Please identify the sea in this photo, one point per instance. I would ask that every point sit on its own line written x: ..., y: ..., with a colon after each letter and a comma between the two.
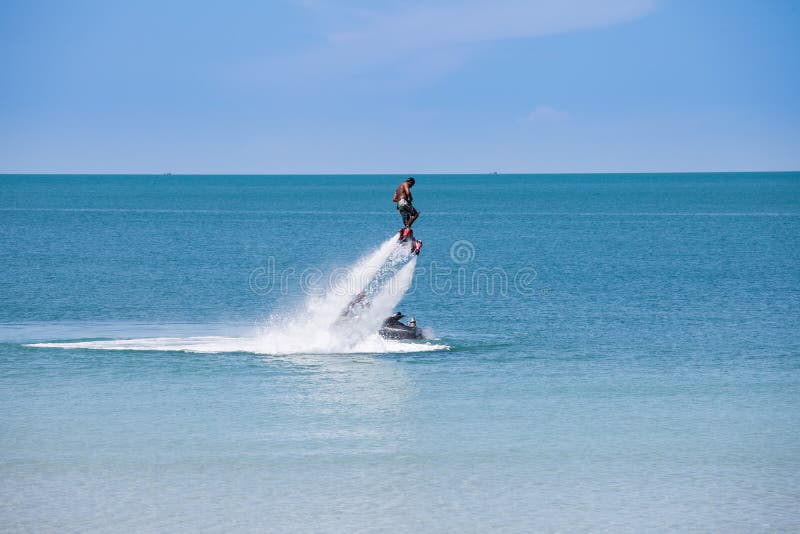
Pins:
x: 601, y: 353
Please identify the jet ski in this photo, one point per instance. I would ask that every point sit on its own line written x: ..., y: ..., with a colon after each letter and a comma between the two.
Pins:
x: 393, y: 329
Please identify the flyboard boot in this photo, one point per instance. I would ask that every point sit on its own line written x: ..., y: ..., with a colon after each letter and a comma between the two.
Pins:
x: 404, y: 234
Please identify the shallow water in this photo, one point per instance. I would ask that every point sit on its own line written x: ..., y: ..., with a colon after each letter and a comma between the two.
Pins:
x: 612, y: 353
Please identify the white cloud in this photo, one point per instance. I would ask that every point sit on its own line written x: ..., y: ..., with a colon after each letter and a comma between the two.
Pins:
x: 419, y: 26
x: 546, y: 114
x: 361, y: 39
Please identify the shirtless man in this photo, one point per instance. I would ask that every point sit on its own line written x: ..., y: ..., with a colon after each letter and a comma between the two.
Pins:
x: 402, y: 196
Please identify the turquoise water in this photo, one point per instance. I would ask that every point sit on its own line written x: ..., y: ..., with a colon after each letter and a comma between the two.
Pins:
x: 609, y: 352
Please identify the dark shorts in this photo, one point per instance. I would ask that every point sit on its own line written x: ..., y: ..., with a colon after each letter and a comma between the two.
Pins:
x: 406, y: 211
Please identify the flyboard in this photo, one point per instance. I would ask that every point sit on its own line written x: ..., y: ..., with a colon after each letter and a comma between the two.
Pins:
x: 406, y: 235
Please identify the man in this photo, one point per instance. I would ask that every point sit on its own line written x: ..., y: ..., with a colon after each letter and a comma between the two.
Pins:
x: 394, y: 320
x: 402, y: 196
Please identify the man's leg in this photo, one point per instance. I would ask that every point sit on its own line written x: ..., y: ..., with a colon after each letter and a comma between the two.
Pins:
x: 412, y: 218
x: 405, y: 216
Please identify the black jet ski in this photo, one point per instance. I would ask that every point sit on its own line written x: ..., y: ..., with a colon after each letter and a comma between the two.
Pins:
x: 393, y: 329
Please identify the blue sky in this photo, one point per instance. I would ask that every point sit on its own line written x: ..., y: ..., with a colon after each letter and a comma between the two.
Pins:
x: 318, y: 86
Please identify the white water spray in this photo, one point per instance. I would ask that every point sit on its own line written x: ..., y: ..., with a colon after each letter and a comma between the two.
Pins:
x: 382, y: 278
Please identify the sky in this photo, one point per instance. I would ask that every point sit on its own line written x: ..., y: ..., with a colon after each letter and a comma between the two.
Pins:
x: 357, y: 86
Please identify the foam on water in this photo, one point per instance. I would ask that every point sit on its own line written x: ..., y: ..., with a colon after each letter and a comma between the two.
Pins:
x: 219, y: 344
x: 383, y: 277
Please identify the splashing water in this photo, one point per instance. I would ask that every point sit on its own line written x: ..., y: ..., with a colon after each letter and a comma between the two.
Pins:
x: 382, y: 277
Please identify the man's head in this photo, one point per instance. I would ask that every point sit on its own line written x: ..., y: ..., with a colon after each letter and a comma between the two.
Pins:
x: 410, y: 181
